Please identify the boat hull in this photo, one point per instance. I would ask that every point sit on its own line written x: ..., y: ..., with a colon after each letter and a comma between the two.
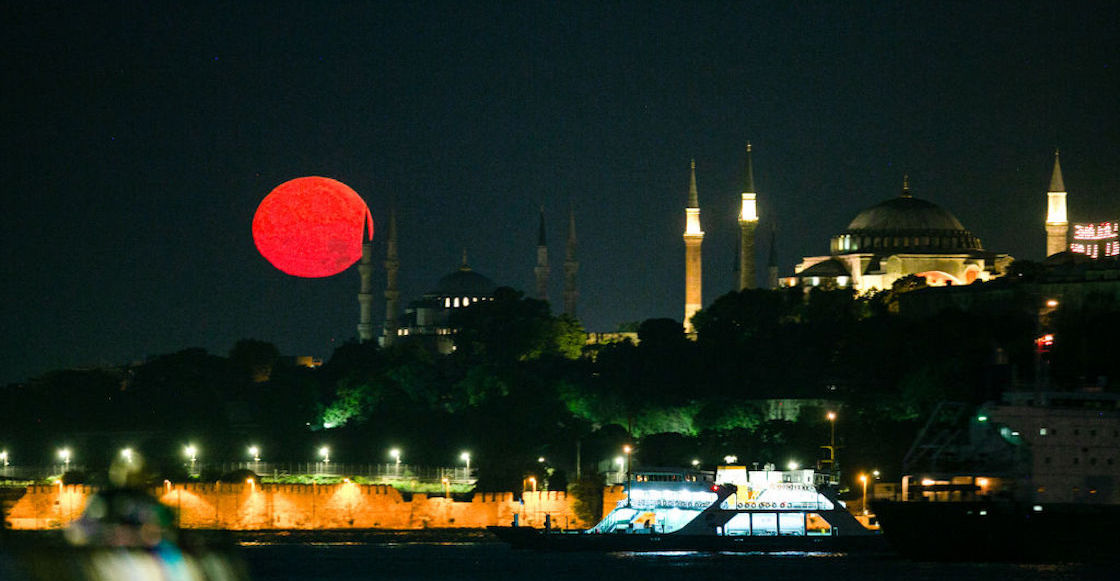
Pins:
x: 1000, y: 531
x: 537, y: 539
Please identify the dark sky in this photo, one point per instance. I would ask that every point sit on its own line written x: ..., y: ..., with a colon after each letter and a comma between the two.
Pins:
x: 139, y: 139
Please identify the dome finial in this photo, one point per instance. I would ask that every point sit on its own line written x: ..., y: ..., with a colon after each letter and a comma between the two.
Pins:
x: 905, y: 185
x: 464, y: 267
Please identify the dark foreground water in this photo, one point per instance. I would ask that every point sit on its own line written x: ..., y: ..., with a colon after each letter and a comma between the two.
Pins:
x: 490, y: 560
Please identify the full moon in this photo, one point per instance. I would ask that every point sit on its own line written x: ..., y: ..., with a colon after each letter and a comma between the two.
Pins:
x: 311, y: 227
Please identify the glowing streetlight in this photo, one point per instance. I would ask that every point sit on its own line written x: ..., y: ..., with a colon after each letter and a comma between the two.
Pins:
x: 446, y: 487
x: 64, y: 455
x: 466, y: 457
x: 793, y: 465
x: 831, y: 441
x: 325, y: 453
x: 191, y: 452
x: 627, y: 449
x: 540, y: 459
x: 4, y: 457
x: 863, y: 481
x: 730, y: 459
x: 255, y: 452
x: 533, y: 482
x: 695, y: 462
x: 396, y: 454
x: 127, y: 455
x: 875, y: 473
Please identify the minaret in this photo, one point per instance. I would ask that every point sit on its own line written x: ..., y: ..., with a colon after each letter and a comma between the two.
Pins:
x: 772, y: 263
x: 693, y: 236
x: 748, y: 221
x: 542, y: 261
x: 571, y: 266
x: 392, y: 294
x: 365, y: 292
x: 1057, y: 227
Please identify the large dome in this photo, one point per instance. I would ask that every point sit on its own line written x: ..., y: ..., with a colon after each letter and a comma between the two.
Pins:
x: 465, y: 283
x: 905, y: 225
x: 905, y: 213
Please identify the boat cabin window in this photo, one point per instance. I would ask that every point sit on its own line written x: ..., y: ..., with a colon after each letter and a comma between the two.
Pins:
x: 791, y: 523
x: 815, y: 525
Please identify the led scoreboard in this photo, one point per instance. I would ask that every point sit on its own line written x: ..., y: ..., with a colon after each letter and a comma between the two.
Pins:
x: 1096, y: 240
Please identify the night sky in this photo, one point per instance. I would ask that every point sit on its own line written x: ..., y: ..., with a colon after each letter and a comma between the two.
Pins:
x: 138, y: 141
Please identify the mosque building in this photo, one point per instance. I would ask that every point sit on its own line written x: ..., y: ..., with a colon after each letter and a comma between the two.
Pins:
x: 896, y: 238
x: 427, y: 319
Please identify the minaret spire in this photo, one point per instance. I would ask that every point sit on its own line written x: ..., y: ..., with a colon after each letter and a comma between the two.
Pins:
x: 1057, y: 225
x: 693, y: 236
x: 571, y: 267
x: 365, y: 291
x: 541, y: 271
x: 392, y: 293
x: 748, y: 222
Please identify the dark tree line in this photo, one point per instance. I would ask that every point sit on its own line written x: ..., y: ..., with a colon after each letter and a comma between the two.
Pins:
x: 522, y: 385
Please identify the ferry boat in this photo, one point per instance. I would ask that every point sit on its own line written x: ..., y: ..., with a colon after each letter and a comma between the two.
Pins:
x: 740, y: 510
x: 1034, y: 477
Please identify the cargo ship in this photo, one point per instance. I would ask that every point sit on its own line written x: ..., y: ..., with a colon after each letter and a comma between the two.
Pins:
x: 1033, y: 477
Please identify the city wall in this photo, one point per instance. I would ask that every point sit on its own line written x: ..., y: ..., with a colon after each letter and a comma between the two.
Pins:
x: 251, y: 506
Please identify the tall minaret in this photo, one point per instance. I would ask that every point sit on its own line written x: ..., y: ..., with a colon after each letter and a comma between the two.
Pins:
x: 748, y: 221
x: 1057, y: 227
x: 772, y: 263
x: 693, y: 236
x: 571, y: 266
x: 392, y: 294
x: 542, y: 261
x: 365, y: 292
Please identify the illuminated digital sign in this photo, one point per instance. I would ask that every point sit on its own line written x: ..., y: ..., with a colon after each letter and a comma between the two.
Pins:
x: 1097, y: 239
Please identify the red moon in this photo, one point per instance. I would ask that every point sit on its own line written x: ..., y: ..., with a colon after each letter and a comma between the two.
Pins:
x: 311, y: 227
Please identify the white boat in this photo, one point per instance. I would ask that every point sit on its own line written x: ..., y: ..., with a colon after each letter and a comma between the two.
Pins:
x: 740, y: 509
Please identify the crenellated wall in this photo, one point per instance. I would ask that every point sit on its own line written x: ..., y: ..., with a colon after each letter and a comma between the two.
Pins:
x: 301, y: 506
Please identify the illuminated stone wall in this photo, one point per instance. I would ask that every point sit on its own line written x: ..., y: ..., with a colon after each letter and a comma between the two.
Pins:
x: 297, y: 506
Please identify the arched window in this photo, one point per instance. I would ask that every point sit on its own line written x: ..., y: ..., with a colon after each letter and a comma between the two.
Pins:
x: 455, y: 302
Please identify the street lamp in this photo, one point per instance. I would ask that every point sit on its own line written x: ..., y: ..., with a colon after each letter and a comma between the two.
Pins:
x: 540, y: 459
x: 793, y: 465
x: 695, y: 462
x: 64, y: 454
x: 831, y: 442
x: 4, y: 457
x: 533, y: 482
x: 627, y: 449
x: 730, y: 459
x: 127, y: 455
x: 255, y: 452
x: 621, y: 462
x: 325, y: 452
x: 466, y: 457
x: 192, y: 453
x: 863, y: 480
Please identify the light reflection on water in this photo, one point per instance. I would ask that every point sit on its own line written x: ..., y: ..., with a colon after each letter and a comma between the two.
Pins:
x: 444, y: 561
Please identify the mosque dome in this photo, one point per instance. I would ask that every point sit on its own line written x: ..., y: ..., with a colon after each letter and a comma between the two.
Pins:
x: 905, y: 213
x: 905, y: 225
x: 465, y: 282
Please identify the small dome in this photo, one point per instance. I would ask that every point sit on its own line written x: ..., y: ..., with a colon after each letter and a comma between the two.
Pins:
x: 465, y: 283
x: 905, y: 213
